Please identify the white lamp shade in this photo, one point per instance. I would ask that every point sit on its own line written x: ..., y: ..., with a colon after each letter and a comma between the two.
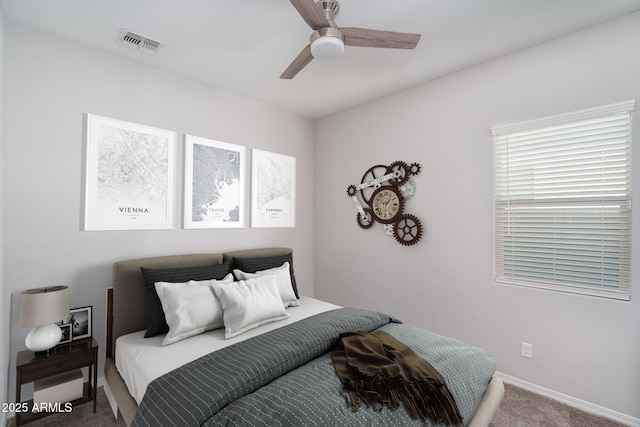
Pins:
x: 42, y: 307
x: 327, y: 47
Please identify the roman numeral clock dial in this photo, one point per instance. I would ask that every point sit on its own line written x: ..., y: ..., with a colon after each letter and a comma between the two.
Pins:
x: 387, y: 204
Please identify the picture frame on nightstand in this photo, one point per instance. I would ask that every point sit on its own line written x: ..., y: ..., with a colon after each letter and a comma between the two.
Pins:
x: 79, y: 324
x: 66, y: 333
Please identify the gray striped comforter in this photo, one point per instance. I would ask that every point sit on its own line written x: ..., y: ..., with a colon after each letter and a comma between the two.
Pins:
x: 245, y: 384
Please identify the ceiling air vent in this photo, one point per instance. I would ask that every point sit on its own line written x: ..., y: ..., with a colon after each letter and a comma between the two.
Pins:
x: 138, y: 42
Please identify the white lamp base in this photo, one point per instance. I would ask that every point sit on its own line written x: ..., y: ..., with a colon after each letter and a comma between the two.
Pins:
x: 43, y: 337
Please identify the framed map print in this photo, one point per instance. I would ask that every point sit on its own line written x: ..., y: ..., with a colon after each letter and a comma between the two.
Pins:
x: 129, y: 176
x: 273, y: 189
x: 214, y: 184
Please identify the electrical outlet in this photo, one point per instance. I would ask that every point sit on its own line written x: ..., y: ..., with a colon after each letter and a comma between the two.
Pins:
x: 526, y: 350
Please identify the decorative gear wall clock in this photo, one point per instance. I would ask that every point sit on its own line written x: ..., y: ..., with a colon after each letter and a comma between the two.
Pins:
x: 381, y: 197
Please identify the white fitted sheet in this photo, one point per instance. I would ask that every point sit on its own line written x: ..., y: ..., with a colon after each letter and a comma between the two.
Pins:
x: 141, y: 360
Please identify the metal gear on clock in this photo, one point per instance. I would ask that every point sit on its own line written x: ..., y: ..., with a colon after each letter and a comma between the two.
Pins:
x: 401, y: 171
x: 408, y: 230
x: 365, y: 221
x: 372, y: 175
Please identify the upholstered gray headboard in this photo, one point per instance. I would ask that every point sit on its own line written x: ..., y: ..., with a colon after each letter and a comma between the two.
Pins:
x: 126, y: 301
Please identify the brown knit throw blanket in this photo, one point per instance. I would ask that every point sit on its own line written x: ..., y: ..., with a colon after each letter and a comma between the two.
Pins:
x: 378, y: 370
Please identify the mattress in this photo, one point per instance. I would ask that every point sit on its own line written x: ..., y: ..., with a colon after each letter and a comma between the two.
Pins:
x: 141, y: 360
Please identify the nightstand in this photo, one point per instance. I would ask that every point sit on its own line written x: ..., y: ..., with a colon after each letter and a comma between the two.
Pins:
x: 62, y: 358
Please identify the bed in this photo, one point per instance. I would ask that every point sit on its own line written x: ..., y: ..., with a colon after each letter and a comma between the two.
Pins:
x: 257, y: 376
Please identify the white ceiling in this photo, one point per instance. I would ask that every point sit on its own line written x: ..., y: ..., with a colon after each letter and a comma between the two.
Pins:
x: 244, y: 45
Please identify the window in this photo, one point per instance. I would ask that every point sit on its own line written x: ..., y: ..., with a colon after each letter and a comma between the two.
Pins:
x: 562, y: 195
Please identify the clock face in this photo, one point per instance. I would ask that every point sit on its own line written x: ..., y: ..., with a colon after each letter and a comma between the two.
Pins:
x: 386, y: 204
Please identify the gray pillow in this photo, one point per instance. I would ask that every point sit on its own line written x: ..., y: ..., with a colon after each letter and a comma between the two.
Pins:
x: 251, y: 265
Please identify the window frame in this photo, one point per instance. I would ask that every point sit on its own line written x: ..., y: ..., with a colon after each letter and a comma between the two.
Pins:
x: 510, y: 200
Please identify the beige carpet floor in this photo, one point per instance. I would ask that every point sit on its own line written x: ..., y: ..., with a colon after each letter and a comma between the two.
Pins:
x: 519, y: 408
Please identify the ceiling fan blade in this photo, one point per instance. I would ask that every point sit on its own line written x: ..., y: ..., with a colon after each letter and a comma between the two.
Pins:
x: 311, y: 12
x: 298, y: 64
x: 363, y: 37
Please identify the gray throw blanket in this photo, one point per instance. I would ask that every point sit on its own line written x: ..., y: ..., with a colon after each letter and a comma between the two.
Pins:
x: 378, y: 370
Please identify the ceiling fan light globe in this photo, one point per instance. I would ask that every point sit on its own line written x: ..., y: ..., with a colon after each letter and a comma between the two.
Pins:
x: 327, y: 47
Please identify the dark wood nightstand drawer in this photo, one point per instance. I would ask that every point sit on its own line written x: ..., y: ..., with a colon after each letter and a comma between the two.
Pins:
x: 54, y: 365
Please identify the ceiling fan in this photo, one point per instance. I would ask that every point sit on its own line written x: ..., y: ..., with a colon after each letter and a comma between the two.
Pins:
x: 328, y: 40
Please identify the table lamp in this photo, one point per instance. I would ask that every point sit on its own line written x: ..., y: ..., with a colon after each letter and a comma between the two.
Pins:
x: 41, y: 308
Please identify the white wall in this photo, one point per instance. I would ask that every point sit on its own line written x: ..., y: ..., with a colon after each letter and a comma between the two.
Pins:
x: 4, y: 302
x: 585, y: 347
x: 49, y: 85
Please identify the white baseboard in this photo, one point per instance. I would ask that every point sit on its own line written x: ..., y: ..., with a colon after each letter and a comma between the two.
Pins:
x: 571, y: 401
x: 110, y: 398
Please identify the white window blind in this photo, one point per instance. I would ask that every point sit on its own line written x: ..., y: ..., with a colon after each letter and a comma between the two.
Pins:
x: 563, y: 201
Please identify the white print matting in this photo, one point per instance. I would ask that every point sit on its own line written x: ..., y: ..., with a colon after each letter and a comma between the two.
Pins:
x: 273, y: 189
x: 214, y: 184
x: 129, y: 176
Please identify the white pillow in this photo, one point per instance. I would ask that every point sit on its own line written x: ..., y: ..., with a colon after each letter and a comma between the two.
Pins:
x: 283, y: 280
x: 190, y: 308
x: 249, y: 303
